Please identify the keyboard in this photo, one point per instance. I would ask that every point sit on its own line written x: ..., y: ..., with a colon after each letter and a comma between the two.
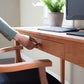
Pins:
x: 59, y: 29
x: 76, y: 33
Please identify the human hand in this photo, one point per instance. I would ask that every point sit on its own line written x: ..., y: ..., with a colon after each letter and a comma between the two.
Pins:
x: 26, y: 41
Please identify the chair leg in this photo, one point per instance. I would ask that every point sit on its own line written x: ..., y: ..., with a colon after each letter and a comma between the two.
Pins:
x: 42, y: 75
x: 17, y: 53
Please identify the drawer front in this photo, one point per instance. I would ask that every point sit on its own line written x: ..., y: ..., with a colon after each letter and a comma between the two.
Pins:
x: 51, y: 47
x: 75, y: 53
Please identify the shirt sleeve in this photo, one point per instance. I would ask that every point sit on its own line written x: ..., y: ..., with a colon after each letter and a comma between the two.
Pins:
x: 7, y: 30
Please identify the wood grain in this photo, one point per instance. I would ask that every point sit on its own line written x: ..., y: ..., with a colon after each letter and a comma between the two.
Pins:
x: 51, y: 47
x: 6, y: 49
x: 19, y: 65
x: 17, y: 53
x: 42, y: 75
x: 67, y: 47
x: 62, y: 70
x: 24, y: 65
x: 74, y: 53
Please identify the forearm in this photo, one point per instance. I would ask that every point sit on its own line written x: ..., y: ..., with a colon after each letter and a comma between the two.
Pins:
x: 10, y: 34
x: 6, y: 30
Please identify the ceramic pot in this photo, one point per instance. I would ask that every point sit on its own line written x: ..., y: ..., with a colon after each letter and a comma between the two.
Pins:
x: 55, y: 19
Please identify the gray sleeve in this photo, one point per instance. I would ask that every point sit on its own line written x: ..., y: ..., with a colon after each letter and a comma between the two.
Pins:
x: 6, y: 30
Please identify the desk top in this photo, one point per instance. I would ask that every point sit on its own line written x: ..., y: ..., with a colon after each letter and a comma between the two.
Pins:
x: 49, y: 35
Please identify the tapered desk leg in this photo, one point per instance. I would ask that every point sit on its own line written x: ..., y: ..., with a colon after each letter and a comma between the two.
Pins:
x: 62, y: 70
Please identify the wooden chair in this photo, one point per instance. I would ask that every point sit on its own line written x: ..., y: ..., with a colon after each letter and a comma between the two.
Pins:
x: 25, y: 72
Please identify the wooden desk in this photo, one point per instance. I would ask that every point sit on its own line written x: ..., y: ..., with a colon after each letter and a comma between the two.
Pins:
x: 66, y: 47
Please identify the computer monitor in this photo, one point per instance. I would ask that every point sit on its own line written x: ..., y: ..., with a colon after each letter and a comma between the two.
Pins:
x: 75, y: 9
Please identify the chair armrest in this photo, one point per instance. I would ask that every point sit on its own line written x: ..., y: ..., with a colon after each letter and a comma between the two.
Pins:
x: 6, y: 49
x: 24, y: 65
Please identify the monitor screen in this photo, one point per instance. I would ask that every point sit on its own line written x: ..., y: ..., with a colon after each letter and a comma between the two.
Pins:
x: 75, y: 9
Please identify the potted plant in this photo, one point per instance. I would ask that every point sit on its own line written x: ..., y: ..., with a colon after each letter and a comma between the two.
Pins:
x: 55, y: 7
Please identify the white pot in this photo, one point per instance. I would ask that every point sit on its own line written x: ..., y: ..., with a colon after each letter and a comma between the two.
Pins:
x: 55, y: 19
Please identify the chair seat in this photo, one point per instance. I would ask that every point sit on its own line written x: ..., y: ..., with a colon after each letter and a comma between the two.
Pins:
x: 29, y: 76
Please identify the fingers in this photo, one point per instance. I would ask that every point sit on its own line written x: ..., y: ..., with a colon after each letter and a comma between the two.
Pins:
x: 38, y: 45
x: 33, y: 43
x: 32, y: 39
x: 28, y: 42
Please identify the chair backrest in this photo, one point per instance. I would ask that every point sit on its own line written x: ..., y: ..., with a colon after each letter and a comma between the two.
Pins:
x: 17, y: 52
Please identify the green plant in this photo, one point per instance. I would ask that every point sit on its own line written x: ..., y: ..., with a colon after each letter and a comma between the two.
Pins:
x: 54, y: 5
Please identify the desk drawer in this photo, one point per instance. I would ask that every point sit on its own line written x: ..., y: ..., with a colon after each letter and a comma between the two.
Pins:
x: 51, y: 47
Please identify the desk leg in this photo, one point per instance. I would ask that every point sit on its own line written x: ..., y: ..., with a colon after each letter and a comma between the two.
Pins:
x: 62, y: 70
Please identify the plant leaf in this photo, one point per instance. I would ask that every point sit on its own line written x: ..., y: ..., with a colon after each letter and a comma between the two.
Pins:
x: 54, y: 5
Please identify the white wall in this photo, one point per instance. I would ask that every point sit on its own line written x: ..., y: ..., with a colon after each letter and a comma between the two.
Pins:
x: 9, y: 11
x: 30, y: 15
x: 79, y: 23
